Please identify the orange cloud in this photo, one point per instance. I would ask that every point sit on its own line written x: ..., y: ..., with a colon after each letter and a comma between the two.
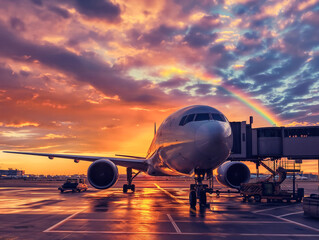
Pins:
x: 20, y: 125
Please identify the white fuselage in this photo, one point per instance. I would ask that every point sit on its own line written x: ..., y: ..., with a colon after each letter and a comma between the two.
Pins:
x: 195, y: 137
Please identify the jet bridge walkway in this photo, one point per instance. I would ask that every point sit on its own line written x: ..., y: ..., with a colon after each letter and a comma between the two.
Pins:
x: 274, y: 142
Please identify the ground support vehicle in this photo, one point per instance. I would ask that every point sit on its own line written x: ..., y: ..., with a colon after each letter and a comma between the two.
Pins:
x: 74, y: 184
x: 270, y: 191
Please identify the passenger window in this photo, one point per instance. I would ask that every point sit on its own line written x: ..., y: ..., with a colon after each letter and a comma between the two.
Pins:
x: 189, y: 118
x: 218, y: 117
x: 202, y: 117
x: 181, y: 123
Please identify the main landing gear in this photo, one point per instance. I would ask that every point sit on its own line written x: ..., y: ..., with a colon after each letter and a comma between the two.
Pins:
x: 198, y: 190
x: 130, y: 177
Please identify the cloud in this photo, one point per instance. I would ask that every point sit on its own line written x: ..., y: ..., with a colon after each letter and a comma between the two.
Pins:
x: 55, y: 136
x: 202, y: 33
x: 173, y: 83
x: 155, y: 36
x: 85, y: 68
x: 250, y: 8
x: 37, y: 2
x: 99, y: 9
x: 198, y: 38
x: 17, y: 24
x: 20, y: 125
x: 203, y: 89
x: 65, y: 59
x: 60, y: 11
x: 188, y: 6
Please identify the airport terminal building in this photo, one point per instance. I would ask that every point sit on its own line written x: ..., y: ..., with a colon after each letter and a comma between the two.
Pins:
x: 12, y: 172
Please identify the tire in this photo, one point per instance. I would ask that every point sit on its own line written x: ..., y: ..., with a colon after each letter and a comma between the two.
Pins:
x: 202, y: 198
x: 257, y: 198
x: 125, y: 188
x: 192, y: 199
x: 133, y: 188
x: 61, y: 190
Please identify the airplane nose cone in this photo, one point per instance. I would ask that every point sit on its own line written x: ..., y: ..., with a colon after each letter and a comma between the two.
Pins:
x: 212, y: 139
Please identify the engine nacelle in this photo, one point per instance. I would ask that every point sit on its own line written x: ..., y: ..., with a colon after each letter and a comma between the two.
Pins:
x: 232, y: 174
x: 103, y: 174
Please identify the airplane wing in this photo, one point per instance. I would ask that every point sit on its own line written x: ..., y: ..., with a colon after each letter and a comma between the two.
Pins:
x: 138, y: 164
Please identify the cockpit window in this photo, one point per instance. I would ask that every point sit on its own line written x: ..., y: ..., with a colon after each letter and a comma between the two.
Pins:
x: 189, y: 118
x: 202, y: 116
x: 218, y: 117
x: 181, y: 123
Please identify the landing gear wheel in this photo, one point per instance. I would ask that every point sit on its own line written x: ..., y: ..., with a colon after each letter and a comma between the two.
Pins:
x: 125, y: 188
x: 133, y: 188
x: 202, y: 198
x: 192, y: 199
x: 61, y: 190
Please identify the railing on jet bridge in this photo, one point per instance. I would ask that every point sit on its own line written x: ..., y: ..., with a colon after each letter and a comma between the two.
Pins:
x: 289, y: 164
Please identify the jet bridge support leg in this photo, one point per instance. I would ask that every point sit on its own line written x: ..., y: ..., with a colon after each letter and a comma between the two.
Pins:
x: 130, y: 177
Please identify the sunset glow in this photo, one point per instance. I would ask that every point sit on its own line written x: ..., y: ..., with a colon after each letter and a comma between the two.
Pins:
x: 92, y: 77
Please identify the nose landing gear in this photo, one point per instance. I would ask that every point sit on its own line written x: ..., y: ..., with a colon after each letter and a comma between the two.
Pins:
x: 199, y: 190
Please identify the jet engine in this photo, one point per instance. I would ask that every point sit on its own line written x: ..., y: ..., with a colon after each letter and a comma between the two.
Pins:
x: 232, y: 174
x: 103, y: 174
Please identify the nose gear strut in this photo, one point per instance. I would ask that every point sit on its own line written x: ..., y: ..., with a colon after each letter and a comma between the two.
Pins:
x: 198, y: 190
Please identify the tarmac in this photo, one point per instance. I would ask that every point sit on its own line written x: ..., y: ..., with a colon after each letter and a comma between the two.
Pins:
x: 157, y: 210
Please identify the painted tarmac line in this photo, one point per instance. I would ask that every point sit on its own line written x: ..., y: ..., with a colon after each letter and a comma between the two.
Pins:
x: 27, y: 188
x: 296, y: 223
x: 195, y: 233
x: 113, y: 220
x: 63, y: 221
x: 169, y: 194
x: 269, y: 209
x: 288, y: 214
x: 20, y: 190
x: 179, y: 221
x: 174, y: 223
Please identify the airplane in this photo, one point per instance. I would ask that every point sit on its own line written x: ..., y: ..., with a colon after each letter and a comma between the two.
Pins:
x: 192, y: 141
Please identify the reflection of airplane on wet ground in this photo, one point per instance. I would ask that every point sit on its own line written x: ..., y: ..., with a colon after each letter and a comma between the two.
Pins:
x: 194, y: 140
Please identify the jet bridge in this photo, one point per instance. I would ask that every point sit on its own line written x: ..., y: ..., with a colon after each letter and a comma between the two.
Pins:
x: 274, y: 142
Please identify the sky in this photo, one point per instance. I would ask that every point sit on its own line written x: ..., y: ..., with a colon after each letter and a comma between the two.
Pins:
x: 92, y: 77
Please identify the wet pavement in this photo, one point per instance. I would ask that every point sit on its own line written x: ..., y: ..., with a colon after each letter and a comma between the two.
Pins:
x: 157, y: 210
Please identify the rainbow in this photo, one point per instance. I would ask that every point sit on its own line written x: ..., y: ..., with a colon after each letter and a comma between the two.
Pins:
x: 261, y: 110
x: 236, y: 93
